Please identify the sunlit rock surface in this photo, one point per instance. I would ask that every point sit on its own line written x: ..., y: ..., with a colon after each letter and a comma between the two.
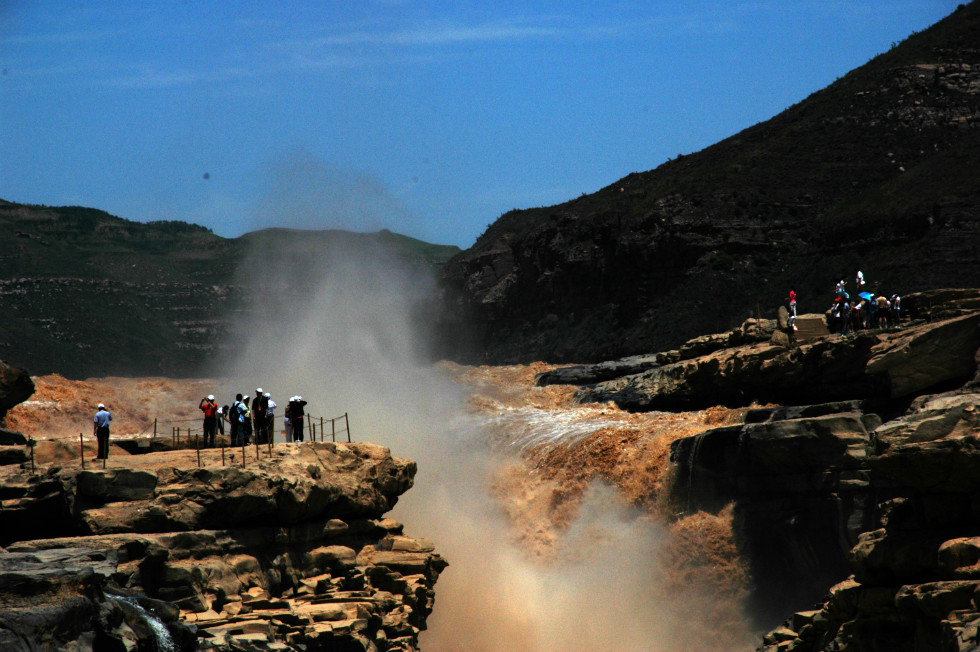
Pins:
x: 869, y: 364
x: 291, y: 549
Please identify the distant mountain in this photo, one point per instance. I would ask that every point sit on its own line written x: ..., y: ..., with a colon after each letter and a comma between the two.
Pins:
x: 85, y: 293
x: 879, y: 171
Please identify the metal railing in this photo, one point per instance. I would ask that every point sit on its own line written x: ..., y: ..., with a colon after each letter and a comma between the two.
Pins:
x: 191, y: 438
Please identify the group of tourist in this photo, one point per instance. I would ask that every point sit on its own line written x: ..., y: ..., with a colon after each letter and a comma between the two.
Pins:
x: 251, y: 419
x: 864, y: 310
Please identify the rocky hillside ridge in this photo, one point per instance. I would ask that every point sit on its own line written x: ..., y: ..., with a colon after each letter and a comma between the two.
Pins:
x: 875, y: 171
x: 864, y: 484
x: 166, y: 295
x: 289, y: 551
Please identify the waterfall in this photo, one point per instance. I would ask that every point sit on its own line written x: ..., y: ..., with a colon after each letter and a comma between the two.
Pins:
x: 161, y: 635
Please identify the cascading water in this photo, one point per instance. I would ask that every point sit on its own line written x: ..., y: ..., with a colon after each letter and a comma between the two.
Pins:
x: 161, y: 635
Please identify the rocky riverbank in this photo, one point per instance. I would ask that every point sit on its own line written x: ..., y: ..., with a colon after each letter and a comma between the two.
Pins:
x: 858, y: 505
x: 289, y: 550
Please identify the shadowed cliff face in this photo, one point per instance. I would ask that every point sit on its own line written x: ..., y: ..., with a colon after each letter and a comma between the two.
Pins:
x: 876, y: 171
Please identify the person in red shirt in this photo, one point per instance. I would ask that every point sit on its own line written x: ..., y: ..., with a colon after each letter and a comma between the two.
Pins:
x: 792, y: 308
x: 210, y: 409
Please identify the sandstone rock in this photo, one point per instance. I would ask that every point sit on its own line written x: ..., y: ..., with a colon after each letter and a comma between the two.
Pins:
x: 887, y: 365
x: 920, y: 358
x: 304, y: 559
x: 960, y: 558
x: 930, y: 419
x: 586, y: 374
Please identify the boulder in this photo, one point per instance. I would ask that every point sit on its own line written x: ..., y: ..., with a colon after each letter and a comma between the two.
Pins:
x: 915, y: 360
x: 594, y: 373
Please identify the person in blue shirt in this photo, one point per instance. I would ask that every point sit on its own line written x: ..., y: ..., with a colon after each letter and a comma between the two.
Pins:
x: 101, y: 431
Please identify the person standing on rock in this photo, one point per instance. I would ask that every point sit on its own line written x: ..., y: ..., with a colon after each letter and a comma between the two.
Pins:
x: 247, y: 423
x: 210, y: 410
x: 236, y: 417
x: 222, y: 416
x: 260, y: 412
x: 100, y: 429
x: 296, y: 416
x: 792, y: 309
x: 270, y: 419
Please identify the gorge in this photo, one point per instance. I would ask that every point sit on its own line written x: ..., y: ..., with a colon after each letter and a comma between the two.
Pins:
x: 711, y: 524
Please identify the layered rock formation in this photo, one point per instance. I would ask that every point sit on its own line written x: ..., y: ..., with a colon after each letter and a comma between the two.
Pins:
x: 914, y: 582
x: 866, y: 485
x: 875, y: 364
x: 290, y: 550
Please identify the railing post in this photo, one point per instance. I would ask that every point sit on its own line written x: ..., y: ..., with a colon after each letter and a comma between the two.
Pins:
x: 333, y: 429
x: 241, y: 435
x: 81, y: 445
x: 347, y: 420
x: 222, y: 454
x: 197, y: 440
x: 321, y: 428
x: 30, y: 442
x: 154, y: 428
x: 309, y: 429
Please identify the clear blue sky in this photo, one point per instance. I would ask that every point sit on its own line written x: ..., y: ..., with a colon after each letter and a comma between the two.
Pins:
x: 427, y: 118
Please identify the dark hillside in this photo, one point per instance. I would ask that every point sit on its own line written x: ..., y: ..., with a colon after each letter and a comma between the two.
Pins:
x: 85, y: 293
x: 878, y: 170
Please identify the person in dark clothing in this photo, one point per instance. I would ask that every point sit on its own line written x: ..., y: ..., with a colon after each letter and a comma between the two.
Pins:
x: 100, y: 428
x: 297, y: 417
x: 236, y: 416
x: 210, y: 410
x: 260, y: 413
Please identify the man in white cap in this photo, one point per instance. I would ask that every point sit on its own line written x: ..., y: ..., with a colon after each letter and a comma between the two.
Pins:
x: 210, y: 410
x: 296, y: 415
x: 100, y: 429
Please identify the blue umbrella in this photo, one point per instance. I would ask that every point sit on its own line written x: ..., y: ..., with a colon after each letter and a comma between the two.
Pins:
x: 866, y: 295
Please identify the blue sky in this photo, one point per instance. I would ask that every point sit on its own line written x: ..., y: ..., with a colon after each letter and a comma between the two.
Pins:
x: 427, y: 118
